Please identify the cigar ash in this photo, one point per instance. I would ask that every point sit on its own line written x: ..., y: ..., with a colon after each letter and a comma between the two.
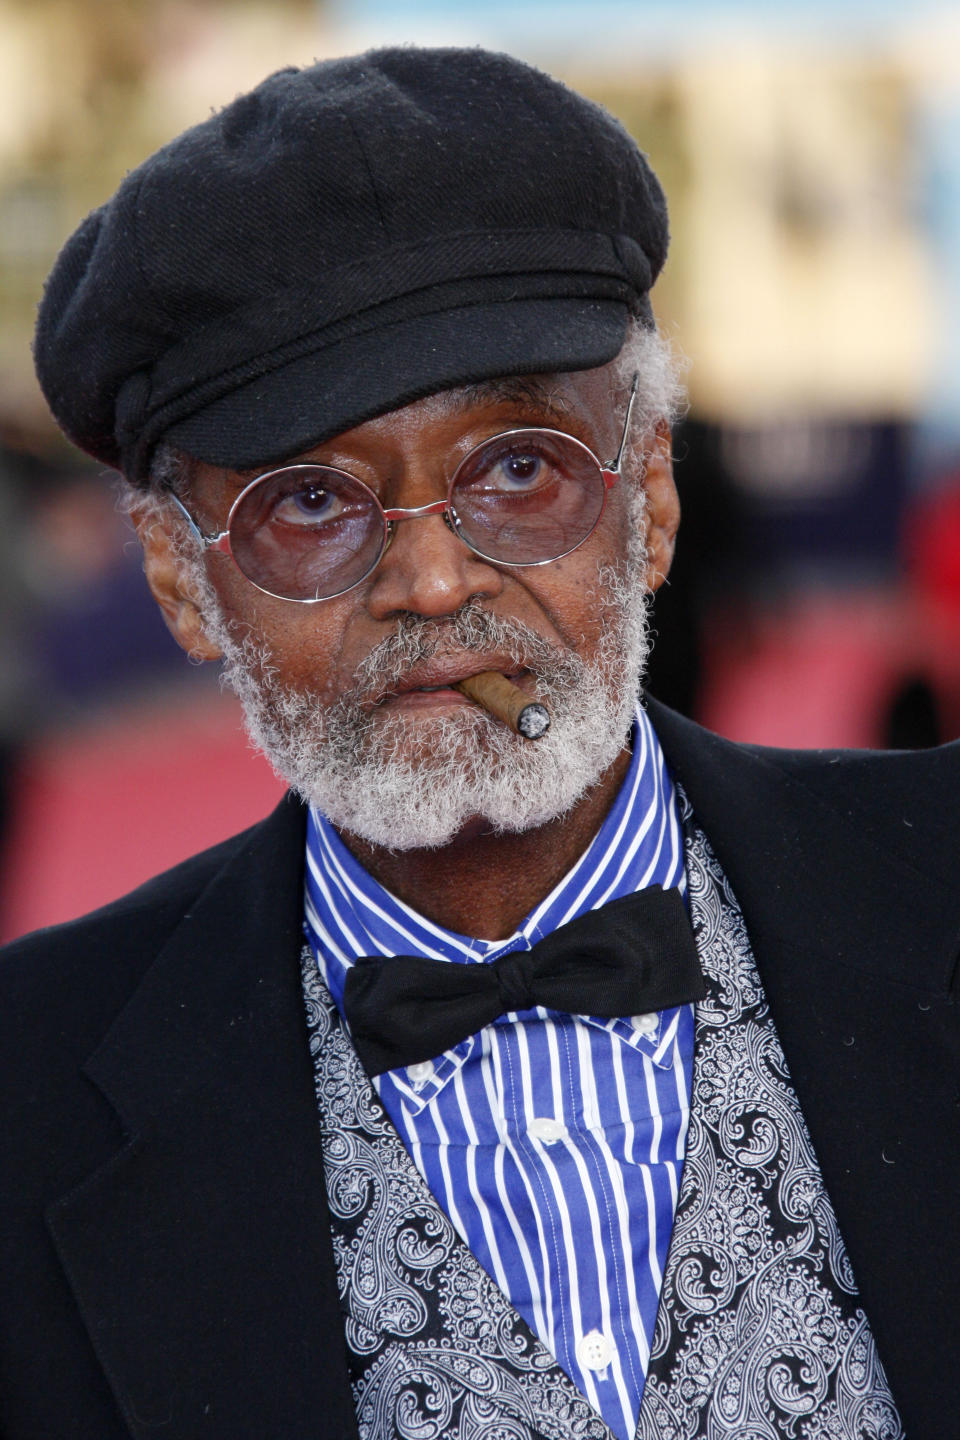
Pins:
x: 533, y: 720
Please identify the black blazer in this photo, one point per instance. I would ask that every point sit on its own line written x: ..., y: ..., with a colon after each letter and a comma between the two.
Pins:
x: 165, y: 1262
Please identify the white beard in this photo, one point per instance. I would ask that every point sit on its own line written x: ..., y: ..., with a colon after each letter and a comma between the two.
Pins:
x: 406, y: 782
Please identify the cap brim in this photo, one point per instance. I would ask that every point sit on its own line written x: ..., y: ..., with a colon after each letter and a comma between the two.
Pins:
x: 330, y: 390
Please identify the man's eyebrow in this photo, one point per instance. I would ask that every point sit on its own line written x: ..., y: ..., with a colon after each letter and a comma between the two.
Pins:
x: 521, y: 391
x: 518, y: 390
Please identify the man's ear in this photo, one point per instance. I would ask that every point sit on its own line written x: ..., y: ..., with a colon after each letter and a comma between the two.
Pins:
x: 166, y: 577
x: 663, y: 506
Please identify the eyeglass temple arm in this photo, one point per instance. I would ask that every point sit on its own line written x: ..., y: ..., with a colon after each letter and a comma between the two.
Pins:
x: 614, y: 468
x: 208, y: 542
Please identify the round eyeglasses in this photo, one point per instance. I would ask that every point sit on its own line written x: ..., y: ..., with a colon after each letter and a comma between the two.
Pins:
x: 311, y: 532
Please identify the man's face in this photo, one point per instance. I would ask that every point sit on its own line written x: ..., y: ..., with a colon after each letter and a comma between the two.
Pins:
x: 351, y: 697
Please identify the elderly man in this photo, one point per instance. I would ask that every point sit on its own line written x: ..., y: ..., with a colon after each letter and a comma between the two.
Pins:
x: 544, y: 1066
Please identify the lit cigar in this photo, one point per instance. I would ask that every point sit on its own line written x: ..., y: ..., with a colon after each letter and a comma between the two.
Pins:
x: 500, y: 697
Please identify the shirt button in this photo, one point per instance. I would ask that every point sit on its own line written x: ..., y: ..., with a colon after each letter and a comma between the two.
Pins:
x: 419, y: 1074
x: 547, y: 1129
x: 646, y: 1024
x: 595, y: 1351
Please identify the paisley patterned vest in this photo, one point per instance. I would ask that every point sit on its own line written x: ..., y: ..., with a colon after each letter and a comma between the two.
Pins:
x: 759, y: 1333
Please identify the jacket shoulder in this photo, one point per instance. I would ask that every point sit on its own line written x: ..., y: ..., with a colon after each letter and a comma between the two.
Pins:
x: 79, y: 972
x: 907, y: 771
x: 904, y: 801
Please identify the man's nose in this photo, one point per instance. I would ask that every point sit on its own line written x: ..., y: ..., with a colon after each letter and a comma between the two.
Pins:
x: 428, y: 571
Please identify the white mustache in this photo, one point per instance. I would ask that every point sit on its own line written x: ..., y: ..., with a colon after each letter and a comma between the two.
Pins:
x: 471, y: 630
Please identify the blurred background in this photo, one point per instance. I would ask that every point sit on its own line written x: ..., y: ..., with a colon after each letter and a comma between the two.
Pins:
x: 811, y: 156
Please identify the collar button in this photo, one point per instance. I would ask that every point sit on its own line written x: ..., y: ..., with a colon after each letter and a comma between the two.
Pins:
x: 646, y: 1024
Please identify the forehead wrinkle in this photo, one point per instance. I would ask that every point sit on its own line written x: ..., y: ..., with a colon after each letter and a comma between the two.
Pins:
x: 522, y: 391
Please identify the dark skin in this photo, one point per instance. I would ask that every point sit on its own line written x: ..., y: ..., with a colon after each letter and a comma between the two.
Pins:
x: 482, y: 883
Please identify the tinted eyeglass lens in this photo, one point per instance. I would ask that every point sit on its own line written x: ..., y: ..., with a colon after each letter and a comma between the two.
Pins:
x: 307, y: 533
x: 528, y: 497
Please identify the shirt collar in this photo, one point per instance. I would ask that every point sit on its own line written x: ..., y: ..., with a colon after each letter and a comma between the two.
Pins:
x: 349, y: 914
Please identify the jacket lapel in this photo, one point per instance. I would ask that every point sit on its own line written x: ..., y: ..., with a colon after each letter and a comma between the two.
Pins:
x: 851, y: 908
x: 200, y: 1254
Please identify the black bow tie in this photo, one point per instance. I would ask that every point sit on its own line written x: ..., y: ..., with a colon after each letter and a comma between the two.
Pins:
x: 630, y: 957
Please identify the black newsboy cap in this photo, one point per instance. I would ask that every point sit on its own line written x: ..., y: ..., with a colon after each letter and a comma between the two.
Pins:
x: 340, y: 241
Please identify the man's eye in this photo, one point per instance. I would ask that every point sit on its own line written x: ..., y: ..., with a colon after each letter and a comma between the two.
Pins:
x: 308, y: 506
x: 518, y: 472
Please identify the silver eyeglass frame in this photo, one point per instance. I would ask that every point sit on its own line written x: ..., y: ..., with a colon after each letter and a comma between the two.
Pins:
x: 220, y: 543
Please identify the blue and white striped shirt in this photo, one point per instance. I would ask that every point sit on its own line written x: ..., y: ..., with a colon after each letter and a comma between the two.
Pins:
x: 553, y: 1142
